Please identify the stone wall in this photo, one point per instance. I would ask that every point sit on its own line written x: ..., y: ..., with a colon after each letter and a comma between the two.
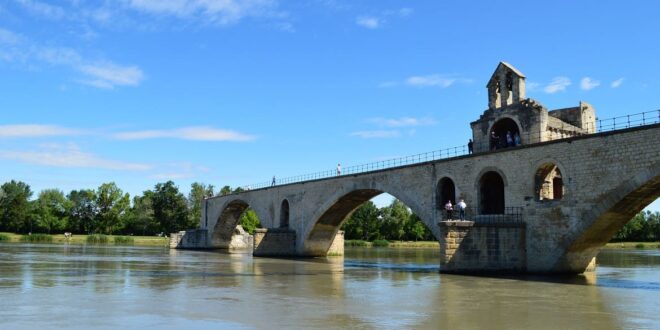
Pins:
x: 189, y: 239
x: 337, y: 246
x: 274, y: 242
x: 466, y: 246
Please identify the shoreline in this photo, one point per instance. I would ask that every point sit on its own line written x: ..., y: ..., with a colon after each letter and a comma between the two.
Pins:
x: 82, y: 240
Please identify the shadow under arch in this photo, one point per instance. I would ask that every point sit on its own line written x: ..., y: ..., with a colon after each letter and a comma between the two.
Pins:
x: 227, y: 222
x: 618, y: 207
x: 319, y: 239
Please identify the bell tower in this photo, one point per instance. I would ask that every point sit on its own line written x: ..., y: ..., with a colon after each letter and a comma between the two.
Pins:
x: 505, y: 87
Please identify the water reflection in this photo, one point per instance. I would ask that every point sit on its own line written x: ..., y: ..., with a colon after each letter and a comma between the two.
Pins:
x: 109, y: 286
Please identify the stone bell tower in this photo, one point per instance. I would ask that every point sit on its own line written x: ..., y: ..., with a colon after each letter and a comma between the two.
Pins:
x: 505, y: 87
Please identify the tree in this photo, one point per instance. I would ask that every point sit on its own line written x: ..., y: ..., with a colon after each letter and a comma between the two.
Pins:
x: 51, y: 209
x: 140, y: 218
x: 170, y: 209
x: 226, y: 190
x: 363, y: 223
x: 249, y: 221
x: 82, y: 211
x: 198, y: 191
x: 112, y: 206
x: 15, y: 208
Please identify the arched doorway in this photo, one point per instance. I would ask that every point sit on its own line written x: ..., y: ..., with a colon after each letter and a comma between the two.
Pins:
x: 445, y: 191
x: 548, y: 182
x: 499, y: 131
x: 284, y: 214
x: 491, y: 193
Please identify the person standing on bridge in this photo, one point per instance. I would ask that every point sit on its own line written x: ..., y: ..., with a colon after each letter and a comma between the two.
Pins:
x: 449, y: 208
x: 273, y: 183
x: 470, y: 146
x: 339, y: 169
x: 461, y: 209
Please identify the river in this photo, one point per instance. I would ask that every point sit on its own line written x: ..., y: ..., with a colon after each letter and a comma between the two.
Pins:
x: 81, y: 287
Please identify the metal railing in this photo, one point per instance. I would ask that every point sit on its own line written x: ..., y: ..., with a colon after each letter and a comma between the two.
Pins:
x: 508, y: 215
x: 555, y: 133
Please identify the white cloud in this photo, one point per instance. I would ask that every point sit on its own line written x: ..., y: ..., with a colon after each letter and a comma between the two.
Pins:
x: 557, y: 84
x: 368, y: 22
x: 532, y: 86
x: 108, y: 75
x: 69, y: 156
x: 402, y: 122
x: 380, y: 134
x: 588, y: 84
x: 433, y: 80
x: 42, y: 9
x: 187, y: 133
x: 213, y: 11
x: 617, y: 83
x: 35, y: 130
x: 8, y: 38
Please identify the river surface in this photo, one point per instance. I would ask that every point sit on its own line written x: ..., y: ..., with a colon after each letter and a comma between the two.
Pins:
x: 82, y: 287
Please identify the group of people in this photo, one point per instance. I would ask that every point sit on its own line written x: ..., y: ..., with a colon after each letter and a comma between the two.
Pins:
x: 510, y: 140
x: 460, y: 206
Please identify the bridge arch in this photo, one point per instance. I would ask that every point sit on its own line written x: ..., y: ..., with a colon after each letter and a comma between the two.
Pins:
x: 227, y: 221
x: 332, y: 215
x: 284, y: 214
x: 445, y: 190
x: 491, y: 191
x: 617, y: 207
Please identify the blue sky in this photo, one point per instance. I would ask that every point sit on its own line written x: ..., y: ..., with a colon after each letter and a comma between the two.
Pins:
x: 232, y: 92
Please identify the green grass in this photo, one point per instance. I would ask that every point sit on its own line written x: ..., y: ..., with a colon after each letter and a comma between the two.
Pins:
x: 37, y: 238
x: 356, y: 242
x: 381, y: 243
x: 97, y: 239
x: 4, y: 237
x: 83, y: 239
x: 639, y: 246
x: 124, y: 240
x: 633, y: 245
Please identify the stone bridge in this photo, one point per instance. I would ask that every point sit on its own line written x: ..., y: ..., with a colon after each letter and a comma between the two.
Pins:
x: 545, y: 204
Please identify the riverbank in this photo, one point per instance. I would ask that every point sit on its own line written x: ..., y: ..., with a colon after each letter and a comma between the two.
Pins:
x: 434, y: 244
x: 84, y: 239
x: 633, y: 245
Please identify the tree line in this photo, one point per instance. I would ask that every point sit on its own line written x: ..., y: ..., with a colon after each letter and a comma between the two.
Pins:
x: 395, y: 222
x: 644, y: 227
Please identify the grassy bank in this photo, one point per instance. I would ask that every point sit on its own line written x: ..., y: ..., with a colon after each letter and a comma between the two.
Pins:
x: 633, y: 245
x: 392, y: 244
x: 86, y: 239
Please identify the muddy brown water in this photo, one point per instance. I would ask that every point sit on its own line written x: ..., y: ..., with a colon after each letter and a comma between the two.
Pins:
x: 81, y: 287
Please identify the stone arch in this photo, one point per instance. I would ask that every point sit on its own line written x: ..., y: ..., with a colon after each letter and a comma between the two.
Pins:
x: 445, y: 190
x: 549, y: 182
x: 330, y: 218
x: 617, y: 207
x: 227, y: 222
x: 491, y: 192
x: 501, y: 127
x: 284, y: 214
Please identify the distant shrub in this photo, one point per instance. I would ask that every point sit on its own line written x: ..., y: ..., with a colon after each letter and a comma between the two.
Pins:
x: 37, y: 238
x: 97, y: 239
x: 381, y: 243
x: 4, y: 237
x: 124, y: 240
x: 356, y: 242
x: 639, y: 246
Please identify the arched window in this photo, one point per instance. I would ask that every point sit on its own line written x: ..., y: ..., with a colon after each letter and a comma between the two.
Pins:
x: 499, y: 132
x: 284, y: 214
x: 445, y: 191
x: 491, y: 193
x: 548, y: 182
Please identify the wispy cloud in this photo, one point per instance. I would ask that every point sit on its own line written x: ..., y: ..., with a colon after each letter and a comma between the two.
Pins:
x: 368, y: 22
x: 587, y: 83
x: 376, y: 21
x: 36, y: 130
x: 212, y: 11
x: 101, y: 74
x: 430, y: 81
x: 533, y: 86
x: 379, y: 134
x: 617, y: 83
x: 188, y: 133
x: 402, y: 122
x: 558, y: 84
x: 69, y: 156
x: 42, y: 9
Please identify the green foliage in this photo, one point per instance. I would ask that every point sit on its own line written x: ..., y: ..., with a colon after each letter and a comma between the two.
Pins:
x: 140, y: 218
x: 112, y: 205
x: 37, y: 238
x: 249, y: 221
x: 4, y: 237
x: 15, y: 208
x: 643, y: 227
x: 198, y: 191
x: 639, y: 246
x: 170, y: 208
x: 124, y: 240
x: 363, y: 224
x: 97, y: 239
x: 381, y: 243
x: 226, y: 190
x: 356, y: 242
x: 51, y: 210
x: 83, y: 211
